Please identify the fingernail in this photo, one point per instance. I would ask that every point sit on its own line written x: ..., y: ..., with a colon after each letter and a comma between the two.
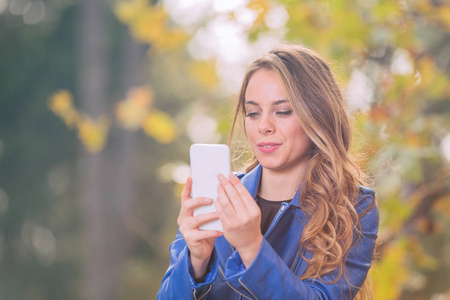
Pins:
x: 206, y: 200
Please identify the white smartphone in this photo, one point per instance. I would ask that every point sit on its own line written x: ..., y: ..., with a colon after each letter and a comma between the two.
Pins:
x: 207, y: 161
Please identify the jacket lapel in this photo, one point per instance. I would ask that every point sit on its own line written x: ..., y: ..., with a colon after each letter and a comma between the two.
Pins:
x: 251, y: 180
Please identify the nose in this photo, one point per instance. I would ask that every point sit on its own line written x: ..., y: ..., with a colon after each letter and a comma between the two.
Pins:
x: 266, y: 125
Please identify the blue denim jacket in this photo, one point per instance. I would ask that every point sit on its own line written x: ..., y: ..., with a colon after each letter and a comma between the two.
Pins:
x: 275, y: 272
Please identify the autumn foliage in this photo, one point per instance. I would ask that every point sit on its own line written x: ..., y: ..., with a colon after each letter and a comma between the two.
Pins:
x: 401, y: 52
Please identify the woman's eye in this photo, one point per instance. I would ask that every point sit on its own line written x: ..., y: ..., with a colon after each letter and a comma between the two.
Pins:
x: 284, y: 113
x: 252, y: 115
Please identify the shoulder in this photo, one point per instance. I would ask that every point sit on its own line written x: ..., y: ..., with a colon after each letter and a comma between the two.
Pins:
x: 366, y: 207
x: 364, y: 191
x: 366, y: 198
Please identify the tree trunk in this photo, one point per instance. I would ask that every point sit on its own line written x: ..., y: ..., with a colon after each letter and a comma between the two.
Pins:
x: 106, y: 178
x: 93, y: 80
x: 122, y: 154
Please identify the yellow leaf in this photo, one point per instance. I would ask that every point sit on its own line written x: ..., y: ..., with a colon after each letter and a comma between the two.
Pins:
x: 424, y: 6
x: 150, y: 25
x: 132, y: 111
x: 204, y: 73
x: 160, y: 126
x: 171, y: 40
x: 427, y: 71
x: 61, y: 101
x: 93, y: 133
x: 443, y: 15
x: 432, y: 79
x: 261, y: 7
x: 127, y: 11
x: 387, y: 10
x: 61, y: 104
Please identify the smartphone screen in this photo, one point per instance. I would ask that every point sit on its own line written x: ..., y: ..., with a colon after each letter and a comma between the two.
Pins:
x: 207, y: 161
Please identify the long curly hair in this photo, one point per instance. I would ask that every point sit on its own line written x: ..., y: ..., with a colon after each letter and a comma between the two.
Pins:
x: 330, y: 189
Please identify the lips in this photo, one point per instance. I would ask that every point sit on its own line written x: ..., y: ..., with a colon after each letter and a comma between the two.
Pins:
x: 268, y: 147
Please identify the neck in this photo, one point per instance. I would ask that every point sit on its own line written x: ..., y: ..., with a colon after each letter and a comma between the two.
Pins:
x: 280, y: 185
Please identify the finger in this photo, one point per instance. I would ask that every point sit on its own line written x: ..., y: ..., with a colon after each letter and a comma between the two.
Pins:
x: 188, y: 206
x: 192, y: 223
x: 225, y: 209
x: 233, y: 195
x: 247, y: 199
x: 186, y: 193
x: 220, y: 213
x: 194, y: 203
x: 204, y: 234
x: 204, y: 218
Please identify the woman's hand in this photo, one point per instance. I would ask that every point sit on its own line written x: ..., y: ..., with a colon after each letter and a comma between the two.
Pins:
x: 240, y: 216
x: 199, y: 242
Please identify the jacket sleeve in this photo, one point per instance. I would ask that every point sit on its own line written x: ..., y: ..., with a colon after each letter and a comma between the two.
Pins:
x: 268, y: 277
x: 178, y: 282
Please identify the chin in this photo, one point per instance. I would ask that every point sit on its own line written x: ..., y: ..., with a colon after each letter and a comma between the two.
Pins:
x: 270, y: 165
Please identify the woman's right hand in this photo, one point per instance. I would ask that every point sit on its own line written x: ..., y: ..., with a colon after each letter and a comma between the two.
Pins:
x: 199, y: 242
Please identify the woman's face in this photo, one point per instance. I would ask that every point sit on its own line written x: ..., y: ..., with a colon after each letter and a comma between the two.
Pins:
x: 274, y: 133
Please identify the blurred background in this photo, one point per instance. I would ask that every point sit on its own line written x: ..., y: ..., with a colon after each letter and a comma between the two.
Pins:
x: 100, y: 101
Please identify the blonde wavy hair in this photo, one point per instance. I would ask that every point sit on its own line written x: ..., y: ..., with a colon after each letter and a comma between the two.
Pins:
x: 330, y: 189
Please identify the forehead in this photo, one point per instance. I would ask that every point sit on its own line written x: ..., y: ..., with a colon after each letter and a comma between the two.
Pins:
x: 264, y: 86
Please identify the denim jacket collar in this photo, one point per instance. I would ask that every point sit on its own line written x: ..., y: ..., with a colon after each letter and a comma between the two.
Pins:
x: 252, y: 179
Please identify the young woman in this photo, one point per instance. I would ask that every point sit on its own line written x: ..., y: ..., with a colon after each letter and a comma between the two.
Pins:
x: 299, y: 224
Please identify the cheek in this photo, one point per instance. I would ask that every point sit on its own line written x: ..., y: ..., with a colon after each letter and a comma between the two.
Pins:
x: 300, y: 137
x: 249, y: 129
x: 305, y: 142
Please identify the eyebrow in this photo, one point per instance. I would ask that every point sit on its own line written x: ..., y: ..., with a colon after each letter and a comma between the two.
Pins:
x: 250, y: 102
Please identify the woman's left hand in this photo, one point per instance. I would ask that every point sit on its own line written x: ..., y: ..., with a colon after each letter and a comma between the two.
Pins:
x: 240, y: 217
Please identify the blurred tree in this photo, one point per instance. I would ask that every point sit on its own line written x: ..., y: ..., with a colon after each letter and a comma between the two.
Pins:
x: 109, y: 170
x: 108, y: 176
x: 40, y: 240
x: 39, y: 221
